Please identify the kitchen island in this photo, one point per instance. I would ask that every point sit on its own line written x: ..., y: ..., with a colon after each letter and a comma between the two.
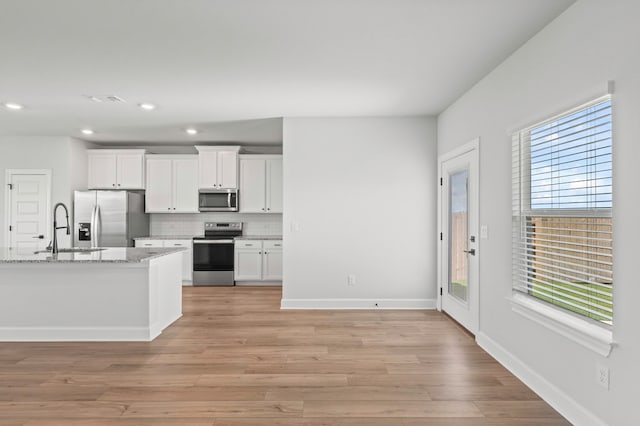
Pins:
x: 111, y: 294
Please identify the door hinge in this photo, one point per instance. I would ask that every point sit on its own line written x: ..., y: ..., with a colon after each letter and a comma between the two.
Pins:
x: 10, y: 185
x: 440, y: 181
x: 441, y: 236
x: 440, y: 291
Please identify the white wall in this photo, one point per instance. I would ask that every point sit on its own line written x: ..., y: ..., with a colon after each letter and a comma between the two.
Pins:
x: 65, y: 158
x: 566, y: 64
x: 362, y: 192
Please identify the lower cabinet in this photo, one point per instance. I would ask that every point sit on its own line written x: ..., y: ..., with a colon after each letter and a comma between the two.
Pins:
x: 187, y: 256
x: 258, y: 260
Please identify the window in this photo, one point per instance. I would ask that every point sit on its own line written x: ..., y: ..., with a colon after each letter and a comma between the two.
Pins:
x: 562, y: 204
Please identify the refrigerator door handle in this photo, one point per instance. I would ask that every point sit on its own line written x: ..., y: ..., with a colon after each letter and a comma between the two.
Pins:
x: 92, y: 228
x: 98, y: 226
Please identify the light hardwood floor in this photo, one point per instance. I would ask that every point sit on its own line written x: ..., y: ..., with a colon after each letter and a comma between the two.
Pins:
x: 236, y: 359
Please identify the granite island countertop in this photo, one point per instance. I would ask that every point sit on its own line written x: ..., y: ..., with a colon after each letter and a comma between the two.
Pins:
x: 107, y: 255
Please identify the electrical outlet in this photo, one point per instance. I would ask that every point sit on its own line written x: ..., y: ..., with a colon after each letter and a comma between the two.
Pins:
x: 602, y: 376
x: 351, y: 279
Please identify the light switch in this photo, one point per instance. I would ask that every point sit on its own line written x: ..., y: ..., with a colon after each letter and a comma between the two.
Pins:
x: 484, y: 232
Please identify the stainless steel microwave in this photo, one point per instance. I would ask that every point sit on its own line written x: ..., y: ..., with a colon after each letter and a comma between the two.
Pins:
x: 218, y: 200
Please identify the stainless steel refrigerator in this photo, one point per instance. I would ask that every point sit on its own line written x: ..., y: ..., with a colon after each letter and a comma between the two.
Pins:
x: 108, y: 218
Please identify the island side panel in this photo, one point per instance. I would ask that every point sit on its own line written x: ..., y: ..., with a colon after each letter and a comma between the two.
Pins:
x: 74, y: 302
x: 165, y: 292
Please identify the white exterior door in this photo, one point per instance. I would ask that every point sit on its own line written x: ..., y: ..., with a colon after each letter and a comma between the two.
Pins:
x: 252, y: 185
x: 459, y: 227
x: 159, y: 194
x: 28, y: 210
x: 185, y: 190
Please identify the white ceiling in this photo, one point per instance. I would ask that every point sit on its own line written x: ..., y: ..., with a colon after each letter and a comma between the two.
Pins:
x: 233, y: 67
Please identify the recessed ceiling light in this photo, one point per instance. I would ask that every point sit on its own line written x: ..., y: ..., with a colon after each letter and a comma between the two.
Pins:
x: 147, y: 106
x: 87, y: 131
x: 13, y: 105
x: 191, y: 131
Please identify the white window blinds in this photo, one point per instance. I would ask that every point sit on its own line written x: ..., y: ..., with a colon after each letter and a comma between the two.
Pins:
x: 562, y: 201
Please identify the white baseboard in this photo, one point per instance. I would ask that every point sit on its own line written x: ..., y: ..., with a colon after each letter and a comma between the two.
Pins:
x: 79, y: 334
x: 358, y: 304
x: 560, y: 401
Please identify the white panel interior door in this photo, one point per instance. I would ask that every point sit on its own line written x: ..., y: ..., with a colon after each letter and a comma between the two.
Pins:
x: 185, y: 192
x: 29, y: 211
x: 252, y: 185
x: 459, y: 250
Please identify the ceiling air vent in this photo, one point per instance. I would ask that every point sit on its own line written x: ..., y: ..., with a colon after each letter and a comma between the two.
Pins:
x: 114, y: 98
x: 105, y: 98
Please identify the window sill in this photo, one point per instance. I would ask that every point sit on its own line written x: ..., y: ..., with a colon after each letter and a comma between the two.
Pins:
x: 591, y: 336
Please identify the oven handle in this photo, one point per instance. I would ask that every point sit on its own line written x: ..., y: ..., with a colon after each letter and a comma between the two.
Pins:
x: 212, y: 241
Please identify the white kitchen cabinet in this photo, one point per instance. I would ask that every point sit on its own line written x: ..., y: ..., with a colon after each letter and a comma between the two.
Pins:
x: 185, y: 185
x: 172, y: 184
x: 260, y: 184
x: 187, y: 256
x: 116, y: 168
x: 218, y: 167
x: 258, y: 260
x: 272, y: 260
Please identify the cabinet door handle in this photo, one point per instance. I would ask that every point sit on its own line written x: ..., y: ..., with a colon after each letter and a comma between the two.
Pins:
x: 113, y: 184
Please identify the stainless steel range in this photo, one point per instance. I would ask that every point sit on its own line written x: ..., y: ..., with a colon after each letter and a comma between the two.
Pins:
x: 213, y: 253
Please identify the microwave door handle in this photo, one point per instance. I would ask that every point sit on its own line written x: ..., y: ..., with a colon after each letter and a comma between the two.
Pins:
x: 229, y: 200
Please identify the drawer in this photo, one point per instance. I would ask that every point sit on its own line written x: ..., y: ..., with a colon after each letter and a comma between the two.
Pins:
x: 272, y: 244
x: 178, y: 243
x: 257, y: 244
x: 149, y: 243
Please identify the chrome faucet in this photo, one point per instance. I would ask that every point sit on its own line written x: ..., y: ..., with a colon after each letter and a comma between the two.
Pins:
x: 54, y: 248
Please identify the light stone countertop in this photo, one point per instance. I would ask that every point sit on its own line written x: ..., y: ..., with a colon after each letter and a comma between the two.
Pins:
x: 259, y: 237
x: 108, y: 255
x: 169, y: 237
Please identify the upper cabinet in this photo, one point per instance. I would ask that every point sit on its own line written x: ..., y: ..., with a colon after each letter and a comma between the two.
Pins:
x: 260, y: 184
x: 218, y: 167
x: 172, y: 184
x: 116, y: 168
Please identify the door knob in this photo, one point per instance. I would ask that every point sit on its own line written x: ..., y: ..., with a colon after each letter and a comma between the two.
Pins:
x: 470, y: 251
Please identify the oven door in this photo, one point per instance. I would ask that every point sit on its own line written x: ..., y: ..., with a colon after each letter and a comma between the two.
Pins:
x: 218, y: 201
x: 213, y: 262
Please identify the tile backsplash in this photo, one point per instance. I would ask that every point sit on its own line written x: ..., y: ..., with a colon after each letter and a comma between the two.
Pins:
x: 193, y: 224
